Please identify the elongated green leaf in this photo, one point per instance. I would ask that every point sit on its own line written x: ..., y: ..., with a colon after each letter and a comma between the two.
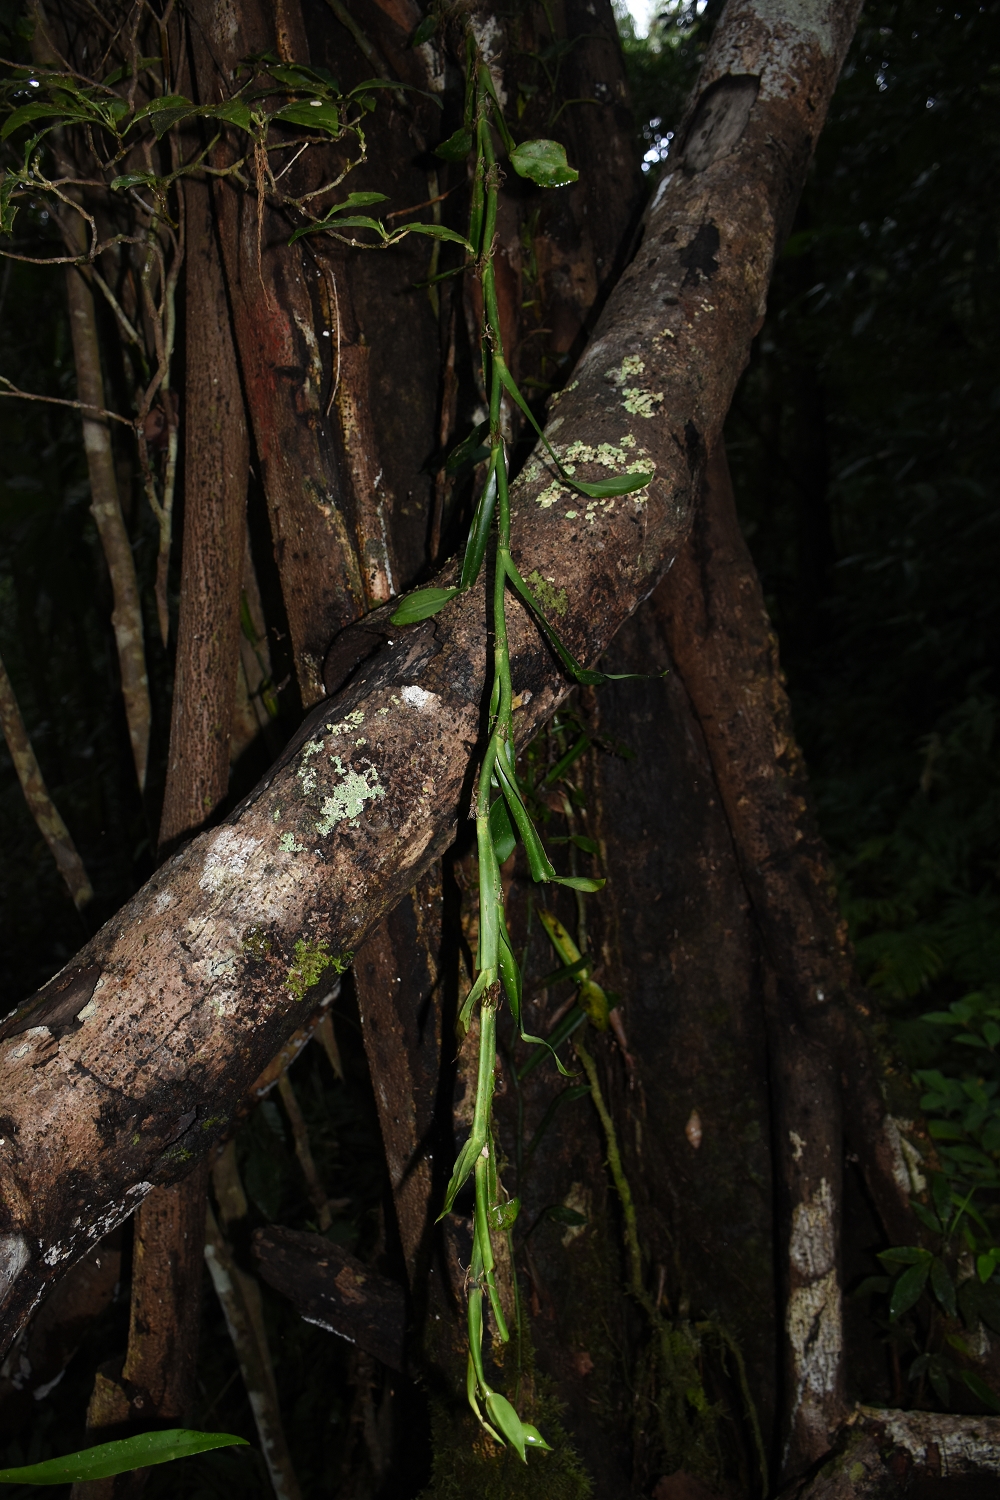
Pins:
x: 582, y: 674
x: 942, y: 1286
x: 979, y: 1388
x: 510, y: 974
x: 479, y: 531
x: 29, y: 112
x: 538, y: 861
x: 904, y: 1255
x: 133, y: 179
x: 619, y: 484
x: 533, y: 1438
x: 314, y: 114
x: 580, y: 882
x: 421, y: 605
x: 543, y: 162
x: 506, y: 1419
x: 297, y: 76
x: 437, y: 232
x: 469, y: 451
x: 424, y: 31
x: 357, y: 200
x: 456, y: 147
x: 501, y: 831
x: 106, y: 1459
x: 908, y: 1289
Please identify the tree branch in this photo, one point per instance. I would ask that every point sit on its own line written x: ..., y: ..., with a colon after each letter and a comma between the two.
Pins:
x: 132, y: 1062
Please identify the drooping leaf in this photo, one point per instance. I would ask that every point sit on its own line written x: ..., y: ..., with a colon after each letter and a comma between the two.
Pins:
x: 439, y: 232
x: 469, y: 451
x: 904, y: 1255
x: 908, y: 1289
x: 501, y: 831
x: 120, y: 1457
x: 507, y: 1421
x: 543, y: 162
x: 943, y: 1287
x: 533, y: 1438
x: 979, y: 1388
x: 421, y: 605
x: 424, y: 31
x: 456, y: 147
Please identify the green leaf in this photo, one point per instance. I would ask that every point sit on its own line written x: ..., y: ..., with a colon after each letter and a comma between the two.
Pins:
x: 563, y: 1215
x: 533, y: 1438
x: 125, y: 71
x: 479, y: 531
x: 29, y: 112
x: 501, y: 832
x: 235, y: 112
x: 870, y: 1286
x: 469, y: 451
x: 316, y: 114
x: 943, y: 1287
x: 543, y: 162
x: 927, y: 1218
x: 908, y: 1289
x: 904, y: 1255
x: 620, y: 484
x: 456, y: 147
x: 986, y: 1265
x: 421, y: 605
x: 507, y: 1422
x: 133, y: 179
x: 438, y: 232
x: 334, y: 225
x: 579, y: 882
x: 121, y: 1457
x: 357, y: 200
x: 424, y: 31
x: 979, y: 1388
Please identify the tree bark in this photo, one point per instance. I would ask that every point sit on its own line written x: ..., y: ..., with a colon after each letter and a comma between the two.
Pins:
x: 188, y: 991
x: 216, y: 470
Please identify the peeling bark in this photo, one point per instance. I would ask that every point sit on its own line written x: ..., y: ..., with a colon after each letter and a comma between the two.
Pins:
x: 202, y: 973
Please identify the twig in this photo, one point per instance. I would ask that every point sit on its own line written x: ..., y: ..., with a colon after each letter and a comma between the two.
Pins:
x: 84, y: 406
x: 303, y: 1150
x: 36, y: 794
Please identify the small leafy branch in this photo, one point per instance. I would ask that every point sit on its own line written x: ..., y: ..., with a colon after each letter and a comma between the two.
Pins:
x: 502, y: 811
x: 957, y: 1274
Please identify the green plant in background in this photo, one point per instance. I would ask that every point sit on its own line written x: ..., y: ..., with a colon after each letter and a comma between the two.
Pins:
x: 107, y: 1459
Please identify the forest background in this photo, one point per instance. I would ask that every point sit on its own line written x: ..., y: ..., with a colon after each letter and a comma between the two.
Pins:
x: 862, y: 444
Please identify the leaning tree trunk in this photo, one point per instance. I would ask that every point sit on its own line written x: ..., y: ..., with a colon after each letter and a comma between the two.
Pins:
x: 134, y: 1059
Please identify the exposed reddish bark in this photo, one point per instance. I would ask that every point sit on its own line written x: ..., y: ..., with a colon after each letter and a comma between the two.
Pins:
x: 216, y: 468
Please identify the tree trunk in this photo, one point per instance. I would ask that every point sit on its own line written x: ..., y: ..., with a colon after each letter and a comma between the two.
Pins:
x: 682, y: 1229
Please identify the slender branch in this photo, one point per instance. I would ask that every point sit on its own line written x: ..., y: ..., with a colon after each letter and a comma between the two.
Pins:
x: 36, y: 794
x: 84, y: 406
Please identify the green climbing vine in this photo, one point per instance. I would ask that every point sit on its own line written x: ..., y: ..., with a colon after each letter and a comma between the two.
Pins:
x: 502, y: 811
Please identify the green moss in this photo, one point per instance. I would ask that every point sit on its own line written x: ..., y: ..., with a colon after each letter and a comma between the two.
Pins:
x: 553, y: 601
x: 256, y: 944
x: 311, y: 962
x: 468, y: 1463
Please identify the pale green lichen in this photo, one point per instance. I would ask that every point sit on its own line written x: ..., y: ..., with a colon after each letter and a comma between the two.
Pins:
x: 630, y: 366
x: 288, y: 841
x: 551, y: 600
x: 312, y: 960
x: 641, y: 403
x: 348, y: 799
